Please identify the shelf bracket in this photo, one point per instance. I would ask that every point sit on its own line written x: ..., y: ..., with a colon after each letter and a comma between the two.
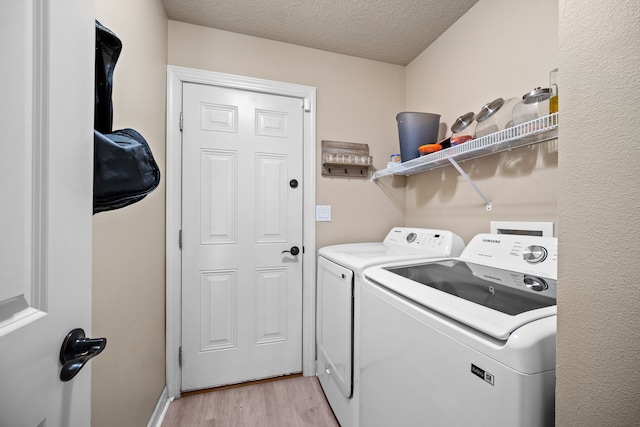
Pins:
x: 470, y: 181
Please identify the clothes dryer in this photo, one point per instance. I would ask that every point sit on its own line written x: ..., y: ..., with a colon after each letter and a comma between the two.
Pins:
x: 466, y: 341
x: 340, y: 270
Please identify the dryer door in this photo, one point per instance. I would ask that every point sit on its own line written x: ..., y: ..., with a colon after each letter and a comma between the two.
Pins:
x: 335, y: 325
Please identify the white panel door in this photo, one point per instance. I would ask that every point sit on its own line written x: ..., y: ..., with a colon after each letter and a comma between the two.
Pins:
x: 241, y: 280
x: 46, y: 167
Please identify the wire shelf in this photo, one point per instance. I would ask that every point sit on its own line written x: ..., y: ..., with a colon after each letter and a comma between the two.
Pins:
x: 533, y: 132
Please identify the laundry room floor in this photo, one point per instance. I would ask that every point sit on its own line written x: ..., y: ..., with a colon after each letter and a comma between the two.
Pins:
x: 290, y: 402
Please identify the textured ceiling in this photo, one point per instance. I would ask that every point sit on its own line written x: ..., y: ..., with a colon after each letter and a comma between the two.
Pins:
x: 394, y: 31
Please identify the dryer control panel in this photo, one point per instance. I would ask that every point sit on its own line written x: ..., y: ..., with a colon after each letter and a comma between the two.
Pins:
x: 425, y: 238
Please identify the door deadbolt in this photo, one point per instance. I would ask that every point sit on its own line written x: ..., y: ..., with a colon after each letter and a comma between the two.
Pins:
x: 293, y: 183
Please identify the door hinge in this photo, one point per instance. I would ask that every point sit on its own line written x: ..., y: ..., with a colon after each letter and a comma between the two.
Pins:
x: 181, y: 120
x: 306, y: 105
x: 180, y: 356
x: 180, y: 239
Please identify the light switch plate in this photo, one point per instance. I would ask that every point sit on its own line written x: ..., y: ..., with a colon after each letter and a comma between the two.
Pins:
x: 323, y: 213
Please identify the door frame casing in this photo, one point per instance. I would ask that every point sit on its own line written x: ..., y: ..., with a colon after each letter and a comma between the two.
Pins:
x: 176, y: 76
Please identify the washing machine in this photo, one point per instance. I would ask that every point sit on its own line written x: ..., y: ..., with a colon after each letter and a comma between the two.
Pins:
x: 340, y: 270
x: 464, y: 341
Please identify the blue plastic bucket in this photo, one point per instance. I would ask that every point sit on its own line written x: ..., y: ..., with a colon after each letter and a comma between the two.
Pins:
x: 416, y: 129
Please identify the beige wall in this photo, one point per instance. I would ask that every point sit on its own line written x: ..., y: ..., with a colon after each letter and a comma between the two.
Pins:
x: 499, y: 48
x: 598, y: 379
x: 357, y: 101
x: 128, y: 244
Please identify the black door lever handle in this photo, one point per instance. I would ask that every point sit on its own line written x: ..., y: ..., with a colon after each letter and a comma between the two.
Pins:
x: 293, y: 251
x: 76, y: 351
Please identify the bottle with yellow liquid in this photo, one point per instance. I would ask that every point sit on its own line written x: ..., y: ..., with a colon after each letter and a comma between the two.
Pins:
x: 553, y: 84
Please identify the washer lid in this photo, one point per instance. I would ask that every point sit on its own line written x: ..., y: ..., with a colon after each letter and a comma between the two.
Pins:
x: 493, y: 302
x: 401, y: 244
x: 358, y: 256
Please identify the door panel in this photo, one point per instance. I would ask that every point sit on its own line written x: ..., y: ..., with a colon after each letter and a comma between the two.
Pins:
x: 218, y: 317
x: 241, y: 294
x: 17, y: 289
x: 272, y: 213
x: 271, y: 316
x: 46, y: 188
x: 218, y: 197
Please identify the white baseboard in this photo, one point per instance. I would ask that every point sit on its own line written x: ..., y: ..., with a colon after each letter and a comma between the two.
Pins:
x: 161, y: 409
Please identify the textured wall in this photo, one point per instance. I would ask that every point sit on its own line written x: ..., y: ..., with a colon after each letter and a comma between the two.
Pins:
x: 357, y: 101
x: 499, y: 48
x: 599, y: 199
x: 128, y: 244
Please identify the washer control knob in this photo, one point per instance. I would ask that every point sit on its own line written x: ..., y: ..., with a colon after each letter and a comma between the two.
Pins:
x: 411, y: 237
x: 534, y: 254
x: 535, y: 283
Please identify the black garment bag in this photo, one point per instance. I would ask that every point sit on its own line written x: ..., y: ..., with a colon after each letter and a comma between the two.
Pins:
x: 108, y: 48
x: 124, y: 170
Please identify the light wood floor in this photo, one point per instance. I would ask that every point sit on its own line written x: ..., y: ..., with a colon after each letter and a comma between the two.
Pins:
x: 290, y: 402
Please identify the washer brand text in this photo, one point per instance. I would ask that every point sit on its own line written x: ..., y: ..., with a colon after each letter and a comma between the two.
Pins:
x: 491, y: 240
